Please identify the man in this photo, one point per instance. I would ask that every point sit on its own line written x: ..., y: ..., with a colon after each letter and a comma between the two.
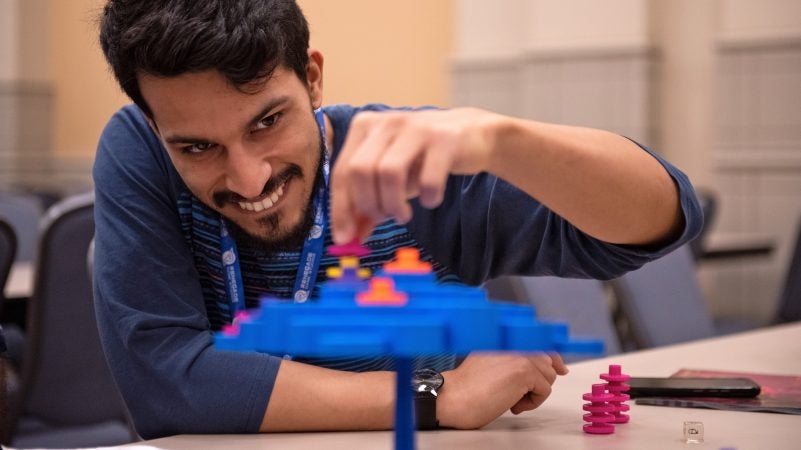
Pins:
x: 215, y: 186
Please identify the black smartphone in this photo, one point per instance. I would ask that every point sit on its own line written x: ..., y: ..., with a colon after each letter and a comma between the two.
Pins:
x: 692, y: 387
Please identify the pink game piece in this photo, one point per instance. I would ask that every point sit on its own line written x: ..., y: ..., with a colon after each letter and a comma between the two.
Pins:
x: 617, y: 387
x: 599, y: 411
x: 230, y: 330
x: 352, y: 248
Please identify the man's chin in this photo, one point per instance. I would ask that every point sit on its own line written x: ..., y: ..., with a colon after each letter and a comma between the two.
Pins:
x: 270, y: 236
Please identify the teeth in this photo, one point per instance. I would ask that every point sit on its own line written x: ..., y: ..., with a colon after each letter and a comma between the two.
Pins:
x: 262, y: 205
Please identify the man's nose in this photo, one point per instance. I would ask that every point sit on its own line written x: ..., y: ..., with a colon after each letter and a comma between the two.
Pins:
x: 246, y: 171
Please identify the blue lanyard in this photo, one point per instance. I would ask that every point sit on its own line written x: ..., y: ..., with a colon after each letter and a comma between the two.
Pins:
x: 232, y: 273
x: 312, y: 247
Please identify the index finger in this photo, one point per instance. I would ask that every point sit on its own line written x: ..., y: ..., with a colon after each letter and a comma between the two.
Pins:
x: 344, y: 226
x: 559, y: 364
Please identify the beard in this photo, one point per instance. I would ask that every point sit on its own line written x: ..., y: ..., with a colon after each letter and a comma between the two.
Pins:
x: 272, y: 238
x: 273, y: 241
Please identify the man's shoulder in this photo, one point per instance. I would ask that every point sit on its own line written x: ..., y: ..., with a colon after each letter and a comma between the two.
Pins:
x: 129, y: 113
x: 343, y: 112
x: 129, y: 124
x: 345, y: 109
x: 128, y: 146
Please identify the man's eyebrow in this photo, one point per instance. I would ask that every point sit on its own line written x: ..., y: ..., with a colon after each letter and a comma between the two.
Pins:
x: 269, y: 106
x: 177, y: 139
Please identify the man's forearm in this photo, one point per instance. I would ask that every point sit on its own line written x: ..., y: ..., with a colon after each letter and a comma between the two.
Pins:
x: 600, y: 182
x: 310, y: 398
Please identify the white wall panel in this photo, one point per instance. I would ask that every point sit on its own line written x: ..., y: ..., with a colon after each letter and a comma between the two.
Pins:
x: 489, y: 28
x: 749, y: 18
x: 8, y: 40
x: 730, y: 110
x: 586, y: 23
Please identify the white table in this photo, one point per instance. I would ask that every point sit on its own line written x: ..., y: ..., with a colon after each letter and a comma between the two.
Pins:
x: 557, y: 424
x: 20, y: 280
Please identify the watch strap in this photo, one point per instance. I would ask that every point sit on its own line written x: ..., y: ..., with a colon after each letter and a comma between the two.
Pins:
x: 425, y: 411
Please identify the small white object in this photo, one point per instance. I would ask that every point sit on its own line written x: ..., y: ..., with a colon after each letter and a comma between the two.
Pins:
x: 694, y: 432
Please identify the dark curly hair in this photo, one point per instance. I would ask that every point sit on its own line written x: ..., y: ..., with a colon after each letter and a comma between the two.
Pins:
x: 245, y: 40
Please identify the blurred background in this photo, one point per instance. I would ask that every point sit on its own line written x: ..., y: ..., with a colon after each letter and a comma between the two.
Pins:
x: 713, y: 85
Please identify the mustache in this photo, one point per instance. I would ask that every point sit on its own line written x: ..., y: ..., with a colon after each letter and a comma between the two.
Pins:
x: 221, y: 198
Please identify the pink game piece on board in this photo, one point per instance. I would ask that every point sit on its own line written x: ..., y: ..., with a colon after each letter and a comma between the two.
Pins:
x: 599, y: 411
x: 352, y: 248
x: 230, y: 330
x: 617, y: 387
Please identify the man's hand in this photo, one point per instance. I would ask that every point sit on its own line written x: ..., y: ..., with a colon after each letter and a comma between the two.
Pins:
x: 485, y: 386
x: 391, y: 157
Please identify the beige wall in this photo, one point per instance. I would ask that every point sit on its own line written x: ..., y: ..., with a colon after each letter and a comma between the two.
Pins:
x: 85, y: 92
x: 393, y: 52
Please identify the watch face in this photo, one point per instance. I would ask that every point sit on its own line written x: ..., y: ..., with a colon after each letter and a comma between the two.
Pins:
x: 427, y: 380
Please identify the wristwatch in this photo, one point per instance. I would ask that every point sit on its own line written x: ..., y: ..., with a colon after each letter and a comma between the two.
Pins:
x: 426, y: 384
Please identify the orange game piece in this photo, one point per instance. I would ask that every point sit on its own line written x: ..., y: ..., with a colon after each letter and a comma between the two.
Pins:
x: 382, y: 293
x: 407, y: 260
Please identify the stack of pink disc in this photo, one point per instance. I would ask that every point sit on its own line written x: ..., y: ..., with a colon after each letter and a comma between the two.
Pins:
x: 599, y: 411
x: 617, y: 387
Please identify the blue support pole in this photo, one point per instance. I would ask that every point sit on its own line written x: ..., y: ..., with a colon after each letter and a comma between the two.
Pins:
x: 404, y: 406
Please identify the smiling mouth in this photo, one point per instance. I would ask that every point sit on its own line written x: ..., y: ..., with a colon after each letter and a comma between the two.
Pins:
x: 266, y: 203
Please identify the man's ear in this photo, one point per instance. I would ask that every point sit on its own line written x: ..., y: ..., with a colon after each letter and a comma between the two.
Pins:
x: 314, y: 77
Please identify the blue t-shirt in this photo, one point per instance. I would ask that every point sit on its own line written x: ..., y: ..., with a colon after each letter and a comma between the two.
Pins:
x: 159, y: 291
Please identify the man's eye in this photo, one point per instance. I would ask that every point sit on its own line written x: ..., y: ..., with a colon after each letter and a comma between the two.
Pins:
x: 200, y: 147
x: 268, y: 121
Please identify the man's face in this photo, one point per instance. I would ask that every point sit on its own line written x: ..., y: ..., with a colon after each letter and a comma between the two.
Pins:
x: 251, y: 156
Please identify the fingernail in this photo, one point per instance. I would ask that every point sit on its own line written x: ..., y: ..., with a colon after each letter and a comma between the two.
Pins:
x: 341, y: 235
x: 430, y: 199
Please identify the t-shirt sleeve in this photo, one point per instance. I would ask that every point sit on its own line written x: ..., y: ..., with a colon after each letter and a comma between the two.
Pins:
x: 152, y: 319
x: 487, y: 228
